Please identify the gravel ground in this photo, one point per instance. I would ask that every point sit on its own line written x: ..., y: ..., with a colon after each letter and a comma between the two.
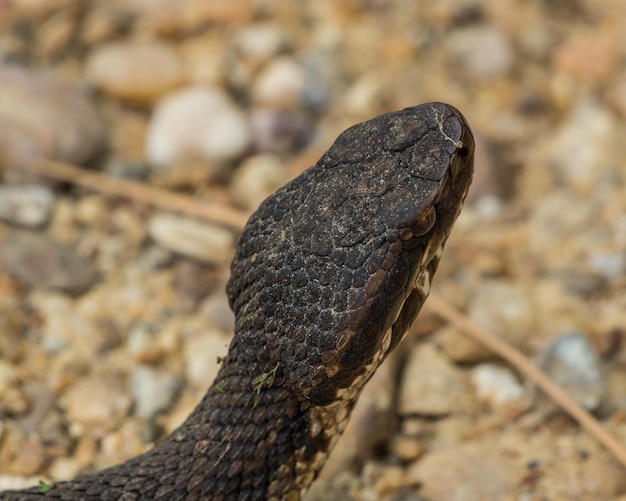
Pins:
x: 112, y: 313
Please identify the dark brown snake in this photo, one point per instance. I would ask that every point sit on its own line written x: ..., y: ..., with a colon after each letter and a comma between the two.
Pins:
x: 328, y: 275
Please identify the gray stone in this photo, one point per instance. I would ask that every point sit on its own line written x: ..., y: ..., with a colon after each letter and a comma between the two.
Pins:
x: 140, y: 72
x: 26, y: 205
x: 154, y: 390
x: 37, y: 261
x: 431, y: 385
x: 59, y: 121
x: 96, y: 402
x: 572, y: 363
x: 201, y: 354
x: 496, y: 385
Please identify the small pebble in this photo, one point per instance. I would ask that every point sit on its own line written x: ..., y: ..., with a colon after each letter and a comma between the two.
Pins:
x: 281, y: 84
x: 218, y: 312
x: 154, y: 390
x: 61, y: 324
x: 139, y: 72
x: 408, y: 449
x: 94, y: 212
x: 196, y: 123
x: 496, y: 384
x: 26, y: 205
x: 93, y: 401
x: 571, y: 362
x: 37, y: 261
x: 504, y: 308
x: 204, y: 58
x: 431, y: 385
x: 279, y: 131
x: 589, y: 55
x: 60, y: 122
x: 256, y: 179
x: 13, y: 402
x: 483, y: 51
x: 201, y: 354
x: 610, y: 265
x: 203, y: 241
x: 193, y: 280
x: 260, y: 42
x: 27, y: 455
x: 591, y: 131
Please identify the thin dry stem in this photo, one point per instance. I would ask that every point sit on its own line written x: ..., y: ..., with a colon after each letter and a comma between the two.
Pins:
x: 138, y: 192
x: 518, y: 360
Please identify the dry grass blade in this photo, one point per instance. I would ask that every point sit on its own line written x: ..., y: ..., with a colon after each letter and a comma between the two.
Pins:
x: 518, y: 360
x: 137, y: 192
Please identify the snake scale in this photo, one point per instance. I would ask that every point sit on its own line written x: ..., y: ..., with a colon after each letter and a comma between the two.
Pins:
x: 328, y: 275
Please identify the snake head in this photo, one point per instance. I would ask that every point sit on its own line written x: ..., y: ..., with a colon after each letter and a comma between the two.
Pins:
x: 333, y: 268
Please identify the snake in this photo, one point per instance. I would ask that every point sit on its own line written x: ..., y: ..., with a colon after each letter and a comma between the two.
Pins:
x: 327, y: 277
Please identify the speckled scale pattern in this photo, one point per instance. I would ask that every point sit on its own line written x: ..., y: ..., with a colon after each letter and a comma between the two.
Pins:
x: 328, y: 274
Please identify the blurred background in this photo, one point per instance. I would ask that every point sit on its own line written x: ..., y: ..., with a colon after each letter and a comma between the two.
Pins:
x: 112, y: 304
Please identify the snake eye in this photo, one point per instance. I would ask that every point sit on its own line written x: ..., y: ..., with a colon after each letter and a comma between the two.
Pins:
x: 420, y: 226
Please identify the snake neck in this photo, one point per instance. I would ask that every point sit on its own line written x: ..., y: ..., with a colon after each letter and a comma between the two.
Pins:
x: 251, y: 437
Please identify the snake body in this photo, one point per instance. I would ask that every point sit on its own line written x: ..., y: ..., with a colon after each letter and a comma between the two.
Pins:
x: 328, y: 275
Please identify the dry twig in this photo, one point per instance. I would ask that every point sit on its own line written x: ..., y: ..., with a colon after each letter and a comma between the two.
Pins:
x: 518, y: 360
x: 138, y: 192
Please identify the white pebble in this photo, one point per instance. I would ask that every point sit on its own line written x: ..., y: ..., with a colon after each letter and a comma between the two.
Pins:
x: 260, y: 42
x: 201, y: 356
x: 26, y: 205
x: 192, y: 238
x: 281, y: 84
x: 611, y: 265
x: 197, y: 123
x: 496, y: 384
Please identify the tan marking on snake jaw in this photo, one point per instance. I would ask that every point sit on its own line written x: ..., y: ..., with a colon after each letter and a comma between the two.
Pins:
x: 384, y: 346
x: 433, y: 250
x: 423, y: 284
x: 315, y: 426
